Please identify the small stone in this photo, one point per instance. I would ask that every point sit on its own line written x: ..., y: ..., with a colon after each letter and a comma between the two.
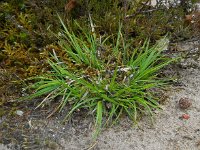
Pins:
x: 185, y: 116
x: 19, y: 113
x: 185, y: 103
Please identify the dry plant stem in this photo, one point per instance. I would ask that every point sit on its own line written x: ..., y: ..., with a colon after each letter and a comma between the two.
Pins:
x: 125, y: 21
x: 143, y: 12
x: 91, y: 23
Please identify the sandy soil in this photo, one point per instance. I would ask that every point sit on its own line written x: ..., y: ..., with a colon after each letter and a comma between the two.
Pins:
x: 169, y: 131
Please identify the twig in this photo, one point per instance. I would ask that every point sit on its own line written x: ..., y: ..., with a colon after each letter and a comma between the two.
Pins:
x: 91, y: 23
x: 146, y: 11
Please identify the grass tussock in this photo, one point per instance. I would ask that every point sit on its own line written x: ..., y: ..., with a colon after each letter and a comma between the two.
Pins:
x: 107, y: 79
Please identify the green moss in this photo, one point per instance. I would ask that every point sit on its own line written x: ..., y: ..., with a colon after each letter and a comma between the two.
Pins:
x: 2, y: 112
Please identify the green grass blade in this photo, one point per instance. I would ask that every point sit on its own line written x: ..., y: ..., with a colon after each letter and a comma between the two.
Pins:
x: 99, y: 119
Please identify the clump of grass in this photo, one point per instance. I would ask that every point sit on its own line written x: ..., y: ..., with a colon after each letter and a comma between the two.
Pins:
x: 106, y: 79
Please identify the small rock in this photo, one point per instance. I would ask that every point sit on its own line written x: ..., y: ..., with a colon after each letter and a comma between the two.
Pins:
x: 185, y: 116
x: 185, y: 103
x: 19, y: 113
x: 188, y: 137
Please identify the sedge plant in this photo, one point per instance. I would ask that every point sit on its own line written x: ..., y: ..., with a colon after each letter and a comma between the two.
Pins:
x: 110, y: 80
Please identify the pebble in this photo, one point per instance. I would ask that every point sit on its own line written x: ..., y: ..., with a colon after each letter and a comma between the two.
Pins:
x: 185, y: 103
x: 19, y: 113
x: 185, y: 116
